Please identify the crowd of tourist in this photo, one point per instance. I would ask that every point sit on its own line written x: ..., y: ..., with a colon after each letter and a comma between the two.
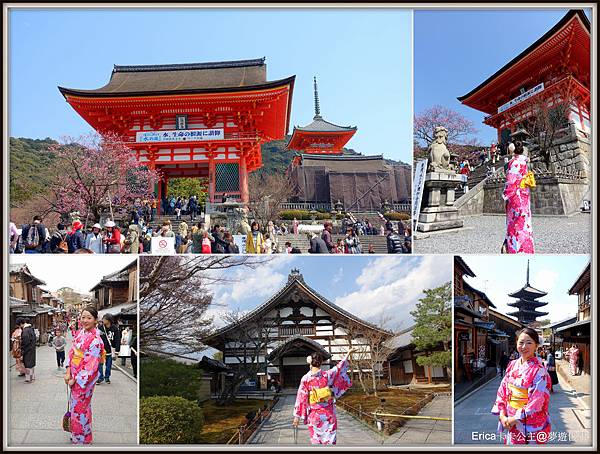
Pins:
x: 194, y: 235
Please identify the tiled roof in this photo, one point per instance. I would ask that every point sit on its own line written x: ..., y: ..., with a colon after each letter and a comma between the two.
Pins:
x: 320, y: 125
x: 141, y: 80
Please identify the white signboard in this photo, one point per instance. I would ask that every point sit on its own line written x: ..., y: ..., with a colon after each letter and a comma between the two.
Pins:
x: 418, y: 186
x: 528, y: 94
x: 161, y: 245
x: 180, y: 135
x: 240, y: 242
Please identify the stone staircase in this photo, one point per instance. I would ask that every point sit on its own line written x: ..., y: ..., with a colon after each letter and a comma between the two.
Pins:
x: 477, y: 176
x: 301, y: 242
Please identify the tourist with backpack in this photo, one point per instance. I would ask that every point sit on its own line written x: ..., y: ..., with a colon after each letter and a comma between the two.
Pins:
x: 58, y: 240
x: 34, y: 236
x: 95, y: 241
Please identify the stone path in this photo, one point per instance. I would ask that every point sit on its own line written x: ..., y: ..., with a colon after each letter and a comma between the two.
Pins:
x: 484, y: 235
x: 475, y: 424
x: 36, y: 410
x: 277, y: 430
x: 427, y: 432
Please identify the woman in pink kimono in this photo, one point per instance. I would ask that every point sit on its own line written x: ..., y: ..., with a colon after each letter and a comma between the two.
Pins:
x: 524, y: 394
x: 519, y: 231
x: 86, y: 354
x: 315, y: 402
x: 573, y: 358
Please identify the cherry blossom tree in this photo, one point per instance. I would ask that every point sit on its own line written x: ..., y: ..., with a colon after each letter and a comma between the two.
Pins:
x: 459, y: 127
x: 95, y: 174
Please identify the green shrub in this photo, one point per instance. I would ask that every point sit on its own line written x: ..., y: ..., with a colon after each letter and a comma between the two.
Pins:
x: 393, y: 216
x: 165, y: 377
x: 169, y: 420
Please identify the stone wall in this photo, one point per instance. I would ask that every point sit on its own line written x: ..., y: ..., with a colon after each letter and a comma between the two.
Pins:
x: 553, y: 195
x: 570, y: 154
x: 472, y: 203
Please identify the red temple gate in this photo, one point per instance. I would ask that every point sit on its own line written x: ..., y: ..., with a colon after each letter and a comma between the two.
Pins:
x: 201, y: 120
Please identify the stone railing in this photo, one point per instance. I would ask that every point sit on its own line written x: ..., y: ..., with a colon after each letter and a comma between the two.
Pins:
x: 308, y: 206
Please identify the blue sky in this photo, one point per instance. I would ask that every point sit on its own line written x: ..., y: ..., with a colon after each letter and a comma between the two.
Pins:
x: 457, y: 50
x: 500, y: 275
x: 365, y: 286
x: 362, y: 59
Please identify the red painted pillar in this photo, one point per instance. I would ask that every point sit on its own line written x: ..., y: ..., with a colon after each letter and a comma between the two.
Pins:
x: 243, y: 170
x: 211, y: 179
x: 159, y: 202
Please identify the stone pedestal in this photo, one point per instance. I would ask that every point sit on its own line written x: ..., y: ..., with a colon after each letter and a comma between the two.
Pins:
x: 438, y: 211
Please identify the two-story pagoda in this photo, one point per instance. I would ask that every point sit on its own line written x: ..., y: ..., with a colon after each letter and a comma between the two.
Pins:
x: 280, y: 333
x: 527, y: 303
x: 192, y: 120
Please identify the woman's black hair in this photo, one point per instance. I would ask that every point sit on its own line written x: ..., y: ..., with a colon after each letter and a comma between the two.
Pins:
x: 108, y: 317
x: 92, y: 310
x: 317, y: 359
x: 531, y: 333
x: 255, y: 223
x: 518, y: 147
x: 19, y: 321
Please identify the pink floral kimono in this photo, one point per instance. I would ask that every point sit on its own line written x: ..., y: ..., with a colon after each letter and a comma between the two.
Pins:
x: 573, y: 358
x: 519, y: 231
x: 525, y: 393
x: 86, y: 354
x: 320, y: 416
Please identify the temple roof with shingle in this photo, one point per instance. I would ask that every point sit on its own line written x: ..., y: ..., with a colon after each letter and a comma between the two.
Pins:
x: 224, y: 76
x: 295, y: 282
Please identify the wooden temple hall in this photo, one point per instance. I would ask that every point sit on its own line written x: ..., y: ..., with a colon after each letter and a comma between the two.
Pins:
x: 280, y: 333
x: 192, y: 120
x: 552, y: 72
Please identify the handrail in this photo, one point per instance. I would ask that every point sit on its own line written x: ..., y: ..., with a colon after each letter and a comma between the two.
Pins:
x: 245, y: 432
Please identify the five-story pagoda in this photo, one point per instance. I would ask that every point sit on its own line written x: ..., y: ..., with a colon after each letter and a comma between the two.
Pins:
x: 526, y: 303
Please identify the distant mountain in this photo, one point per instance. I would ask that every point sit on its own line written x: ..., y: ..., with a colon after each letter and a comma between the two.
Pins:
x: 29, y: 164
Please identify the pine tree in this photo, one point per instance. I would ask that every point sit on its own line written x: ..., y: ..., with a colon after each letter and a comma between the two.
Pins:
x: 433, y: 326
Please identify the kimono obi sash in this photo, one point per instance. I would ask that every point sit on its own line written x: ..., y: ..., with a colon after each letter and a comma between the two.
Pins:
x: 528, y: 181
x: 317, y: 395
x: 517, y: 397
x: 77, y: 356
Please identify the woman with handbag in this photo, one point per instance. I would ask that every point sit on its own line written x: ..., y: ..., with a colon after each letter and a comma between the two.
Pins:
x: 83, y: 361
x: 519, y: 231
x: 524, y: 394
x: 16, y: 351
x: 315, y: 401
x: 112, y: 239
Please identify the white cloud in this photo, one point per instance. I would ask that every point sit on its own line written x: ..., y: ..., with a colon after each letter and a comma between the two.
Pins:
x: 390, y: 287
x: 249, y: 284
x: 337, y: 277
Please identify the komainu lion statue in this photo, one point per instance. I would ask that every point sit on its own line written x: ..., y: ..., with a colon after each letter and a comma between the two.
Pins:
x: 439, y: 156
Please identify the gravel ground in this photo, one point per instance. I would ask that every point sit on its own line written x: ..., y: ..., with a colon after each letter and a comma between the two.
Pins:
x: 484, y: 235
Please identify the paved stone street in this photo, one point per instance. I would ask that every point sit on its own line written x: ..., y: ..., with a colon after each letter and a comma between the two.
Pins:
x: 427, y: 432
x: 277, y: 430
x: 36, y: 409
x: 484, y: 235
x: 568, y: 415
